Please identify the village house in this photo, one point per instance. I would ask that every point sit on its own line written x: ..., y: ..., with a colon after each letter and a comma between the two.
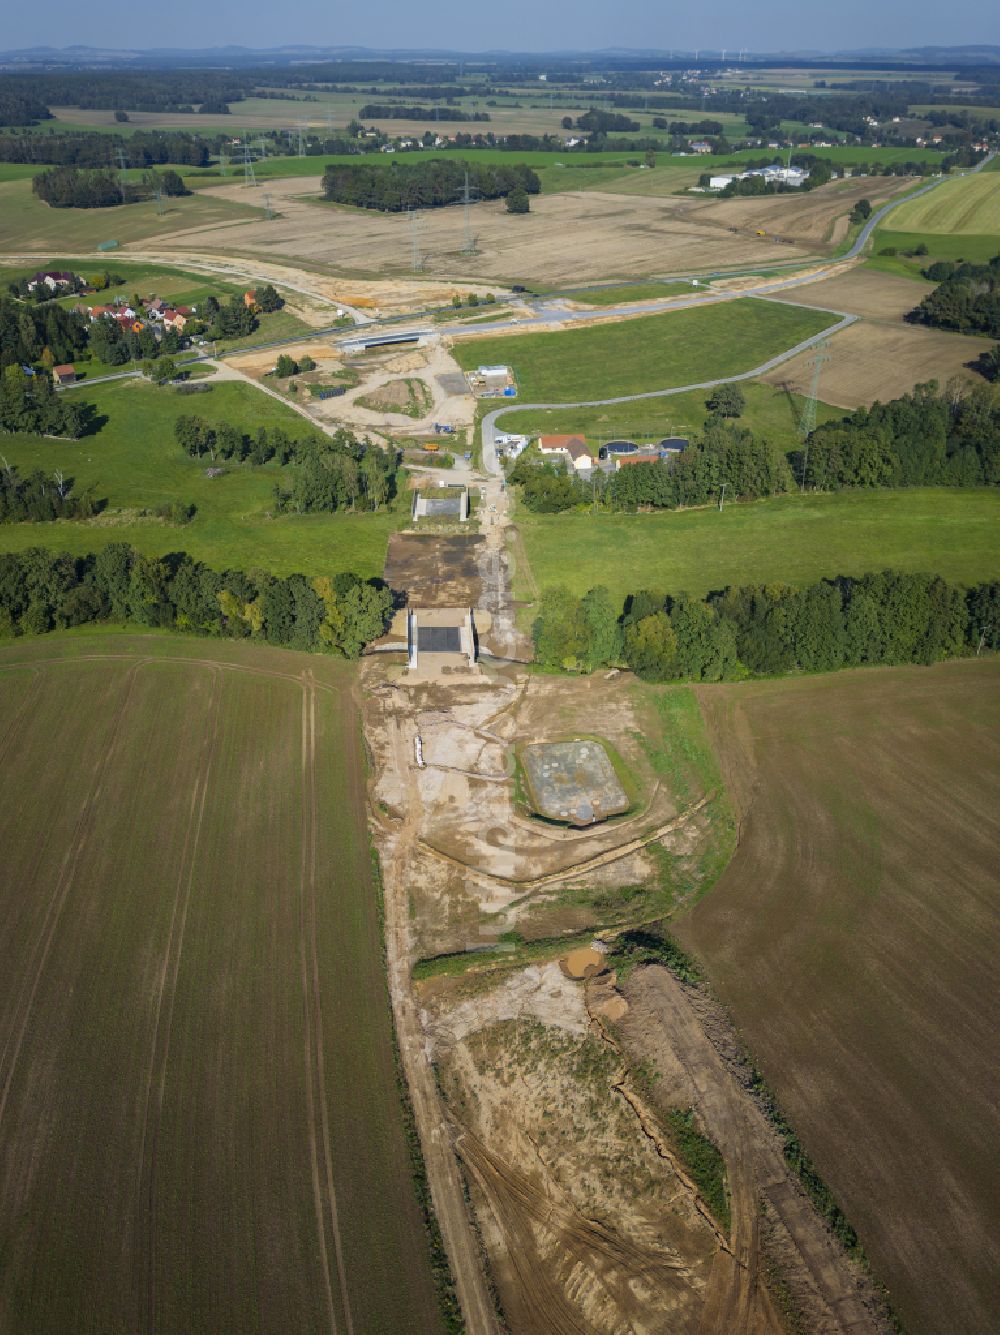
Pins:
x: 64, y: 375
x: 54, y: 280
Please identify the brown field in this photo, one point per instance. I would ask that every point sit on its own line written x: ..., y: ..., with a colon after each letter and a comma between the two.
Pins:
x: 200, y: 1128
x: 881, y: 361
x: 854, y: 938
x: 613, y: 235
x: 864, y: 292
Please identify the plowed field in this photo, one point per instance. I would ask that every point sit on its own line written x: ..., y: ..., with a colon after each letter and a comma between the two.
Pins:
x: 854, y: 938
x: 199, y: 1123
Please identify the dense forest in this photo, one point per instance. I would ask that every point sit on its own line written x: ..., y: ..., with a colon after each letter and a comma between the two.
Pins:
x: 332, y: 473
x: 762, y: 630
x: 26, y: 331
x: 422, y: 184
x: 42, y: 590
x: 926, y: 438
x: 20, y: 105
x: 29, y: 403
x: 38, y: 498
x: 141, y: 149
x: 85, y: 188
x: 967, y: 298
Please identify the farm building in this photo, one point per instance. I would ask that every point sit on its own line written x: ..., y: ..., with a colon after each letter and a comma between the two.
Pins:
x: 64, y: 375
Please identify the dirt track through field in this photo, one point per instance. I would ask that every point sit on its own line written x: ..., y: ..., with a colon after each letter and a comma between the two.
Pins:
x: 159, y: 1052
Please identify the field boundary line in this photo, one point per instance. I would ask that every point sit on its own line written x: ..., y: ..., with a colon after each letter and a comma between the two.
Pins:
x: 64, y: 883
x: 182, y: 900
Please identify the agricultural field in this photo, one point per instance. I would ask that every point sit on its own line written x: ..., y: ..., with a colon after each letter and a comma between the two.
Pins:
x: 790, y: 539
x: 210, y: 1137
x: 966, y: 205
x: 853, y: 939
x: 770, y: 411
x: 134, y: 461
x: 977, y: 249
x: 872, y: 360
x: 629, y: 292
x: 646, y: 353
x: 614, y: 237
x: 28, y: 224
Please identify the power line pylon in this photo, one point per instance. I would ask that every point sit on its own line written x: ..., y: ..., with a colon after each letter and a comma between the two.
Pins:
x: 807, y: 422
x: 268, y: 211
x: 248, y: 174
x: 469, y: 247
x: 302, y: 127
x: 122, y: 172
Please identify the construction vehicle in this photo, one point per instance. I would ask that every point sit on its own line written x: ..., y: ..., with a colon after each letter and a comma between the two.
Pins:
x: 761, y: 232
x: 432, y: 447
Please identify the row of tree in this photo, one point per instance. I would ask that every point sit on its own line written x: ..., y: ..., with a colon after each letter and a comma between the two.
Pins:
x: 42, y: 590
x: 927, y: 438
x: 141, y: 149
x: 393, y: 111
x: 332, y: 473
x: 428, y: 184
x: 763, y: 630
x: 967, y: 298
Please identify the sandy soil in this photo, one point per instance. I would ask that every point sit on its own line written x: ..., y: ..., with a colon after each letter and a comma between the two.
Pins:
x: 610, y: 234
x: 380, y: 378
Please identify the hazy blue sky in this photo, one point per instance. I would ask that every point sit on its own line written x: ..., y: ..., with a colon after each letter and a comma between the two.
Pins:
x: 515, y: 25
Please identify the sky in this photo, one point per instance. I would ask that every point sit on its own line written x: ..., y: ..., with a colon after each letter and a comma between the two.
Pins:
x: 515, y: 25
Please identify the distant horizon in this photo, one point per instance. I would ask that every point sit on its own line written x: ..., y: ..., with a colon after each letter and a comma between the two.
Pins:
x: 776, y: 27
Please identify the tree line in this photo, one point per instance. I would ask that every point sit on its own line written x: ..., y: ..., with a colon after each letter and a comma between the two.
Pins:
x: 967, y: 298
x: 39, y: 499
x: 21, y: 106
x: 886, y: 617
x: 393, y: 111
x: 423, y: 184
x: 141, y: 149
x: 332, y: 473
x: 42, y: 590
x: 927, y: 438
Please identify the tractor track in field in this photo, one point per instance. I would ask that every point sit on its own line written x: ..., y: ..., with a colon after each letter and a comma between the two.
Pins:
x: 64, y: 883
x: 318, y: 1108
x: 167, y: 989
x: 24, y: 708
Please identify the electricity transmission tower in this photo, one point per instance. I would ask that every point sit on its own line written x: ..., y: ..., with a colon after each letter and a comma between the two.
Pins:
x: 248, y: 173
x: 268, y: 211
x: 302, y: 127
x: 158, y: 196
x: 122, y: 172
x: 469, y: 247
x: 807, y: 422
x: 223, y: 162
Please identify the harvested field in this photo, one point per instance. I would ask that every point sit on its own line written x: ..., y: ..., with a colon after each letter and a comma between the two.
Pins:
x: 862, y: 291
x: 854, y: 938
x: 613, y: 235
x: 871, y: 361
x: 807, y: 218
x: 201, y: 1128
